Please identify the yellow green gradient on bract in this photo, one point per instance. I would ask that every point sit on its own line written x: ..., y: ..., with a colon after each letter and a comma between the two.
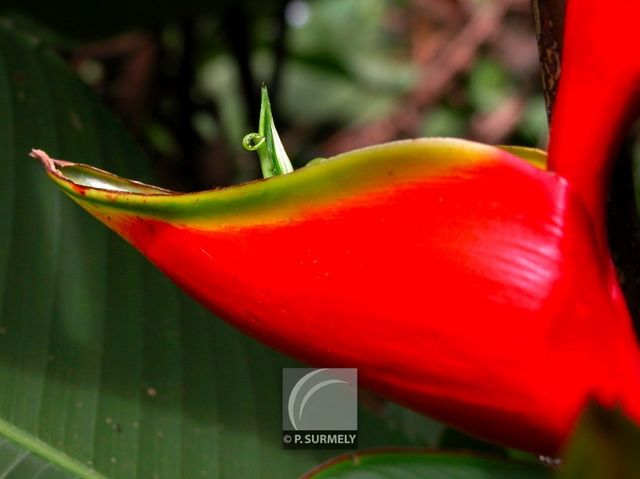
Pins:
x: 284, y: 196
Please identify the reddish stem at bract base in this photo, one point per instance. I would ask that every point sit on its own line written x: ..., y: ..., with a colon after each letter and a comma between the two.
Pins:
x: 461, y: 280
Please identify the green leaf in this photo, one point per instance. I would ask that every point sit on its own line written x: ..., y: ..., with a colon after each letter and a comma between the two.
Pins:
x: 22, y: 455
x: 412, y: 464
x: 104, y: 364
x: 273, y: 157
x: 604, y: 446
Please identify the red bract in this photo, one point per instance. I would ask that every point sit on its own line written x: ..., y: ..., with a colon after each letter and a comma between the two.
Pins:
x: 597, y: 97
x: 461, y: 280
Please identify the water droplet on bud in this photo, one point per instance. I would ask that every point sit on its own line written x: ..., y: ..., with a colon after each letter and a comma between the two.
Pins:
x: 252, y: 141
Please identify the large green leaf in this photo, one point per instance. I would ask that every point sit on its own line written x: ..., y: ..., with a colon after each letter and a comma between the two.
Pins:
x: 411, y: 464
x: 605, y: 446
x: 104, y: 364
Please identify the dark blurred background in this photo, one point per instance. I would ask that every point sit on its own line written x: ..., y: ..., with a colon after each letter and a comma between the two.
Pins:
x: 342, y: 74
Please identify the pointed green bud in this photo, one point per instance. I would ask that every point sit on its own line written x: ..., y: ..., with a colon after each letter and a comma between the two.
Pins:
x: 273, y: 158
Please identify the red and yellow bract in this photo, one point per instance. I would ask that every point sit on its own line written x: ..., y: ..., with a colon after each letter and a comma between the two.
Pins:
x: 461, y: 280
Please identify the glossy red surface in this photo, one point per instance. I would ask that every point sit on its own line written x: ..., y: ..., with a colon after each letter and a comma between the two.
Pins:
x: 483, y: 295
x: 477, y: 297
x: 597, y: 97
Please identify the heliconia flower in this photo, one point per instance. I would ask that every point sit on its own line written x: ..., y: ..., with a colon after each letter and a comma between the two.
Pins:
x: 463, y: 280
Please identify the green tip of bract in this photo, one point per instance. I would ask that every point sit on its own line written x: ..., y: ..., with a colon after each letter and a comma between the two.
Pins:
x: 273, y: 159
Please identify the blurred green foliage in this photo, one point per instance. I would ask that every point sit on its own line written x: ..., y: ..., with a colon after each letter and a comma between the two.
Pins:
x: 333, y: 66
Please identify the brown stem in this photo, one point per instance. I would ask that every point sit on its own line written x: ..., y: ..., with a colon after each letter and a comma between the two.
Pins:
x: 549, y: 23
